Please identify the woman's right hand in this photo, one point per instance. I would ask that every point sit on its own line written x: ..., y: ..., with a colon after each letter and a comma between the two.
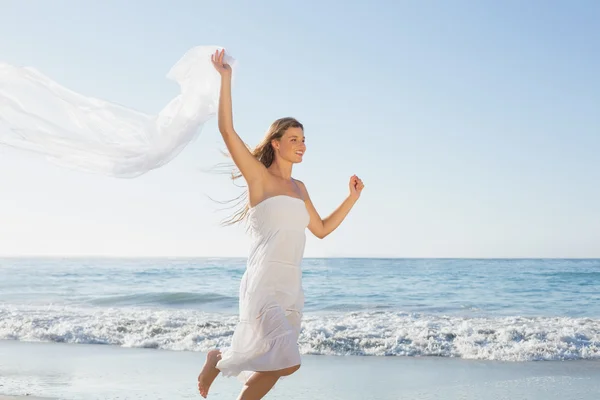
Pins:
x: 220, y: 65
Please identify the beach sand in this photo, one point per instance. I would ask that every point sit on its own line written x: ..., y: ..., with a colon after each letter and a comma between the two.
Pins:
x: 72, y: 371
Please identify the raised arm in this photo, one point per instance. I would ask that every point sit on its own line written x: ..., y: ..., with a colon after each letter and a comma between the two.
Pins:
x: 323, y: 227
x: 251, y: 169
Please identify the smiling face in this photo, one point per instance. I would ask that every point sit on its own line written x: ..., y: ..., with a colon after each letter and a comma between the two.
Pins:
x: 291, y: 146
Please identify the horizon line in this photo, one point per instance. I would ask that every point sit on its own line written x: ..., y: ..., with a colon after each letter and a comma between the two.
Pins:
x: 163, y: 257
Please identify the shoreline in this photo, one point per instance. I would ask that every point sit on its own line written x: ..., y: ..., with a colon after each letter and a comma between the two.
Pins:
x: 82, y: 371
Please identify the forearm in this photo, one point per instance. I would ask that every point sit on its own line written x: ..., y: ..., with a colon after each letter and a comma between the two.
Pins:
x: 225, y: 115
x: 334, y: 220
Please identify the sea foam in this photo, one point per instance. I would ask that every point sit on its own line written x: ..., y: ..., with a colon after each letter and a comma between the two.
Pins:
x: 369, y: 333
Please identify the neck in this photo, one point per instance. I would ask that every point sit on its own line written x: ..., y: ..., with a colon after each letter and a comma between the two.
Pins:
x: 281, y: 169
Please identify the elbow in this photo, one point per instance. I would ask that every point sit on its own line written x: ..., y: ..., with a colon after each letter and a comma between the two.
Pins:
x: 318, y: 230
x: 226, y: 132
x: 319, y: 234
x: 322, y: 235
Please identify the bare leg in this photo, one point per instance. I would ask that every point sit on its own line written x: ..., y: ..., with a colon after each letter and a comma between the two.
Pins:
x: 260, y: 383
x: 209, y: 372
x: 258, y: 386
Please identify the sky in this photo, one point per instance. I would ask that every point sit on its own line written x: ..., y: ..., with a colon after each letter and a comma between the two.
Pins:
x: 475, y: 126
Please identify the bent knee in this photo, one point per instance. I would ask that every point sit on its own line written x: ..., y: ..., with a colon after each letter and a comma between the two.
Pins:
x: 289, y: 371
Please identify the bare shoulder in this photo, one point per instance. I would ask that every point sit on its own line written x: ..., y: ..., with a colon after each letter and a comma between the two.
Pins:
x: 299, y: 183
x: 302, y: 188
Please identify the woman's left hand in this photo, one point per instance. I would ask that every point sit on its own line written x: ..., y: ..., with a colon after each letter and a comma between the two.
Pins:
x: 356, y: 186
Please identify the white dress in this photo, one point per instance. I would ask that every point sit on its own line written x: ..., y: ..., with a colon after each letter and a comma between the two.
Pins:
x: 271, y: 297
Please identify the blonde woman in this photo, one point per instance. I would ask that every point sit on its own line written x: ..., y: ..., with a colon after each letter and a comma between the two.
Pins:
x: 264, y: 346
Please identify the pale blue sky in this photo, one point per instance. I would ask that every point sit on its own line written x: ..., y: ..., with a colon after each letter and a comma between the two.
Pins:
x: 474, y: 125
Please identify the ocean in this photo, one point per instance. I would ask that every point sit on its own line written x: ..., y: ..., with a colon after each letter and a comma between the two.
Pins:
x: 485, y: 309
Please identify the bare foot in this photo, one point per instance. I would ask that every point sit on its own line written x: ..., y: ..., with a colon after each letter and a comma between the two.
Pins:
x: 209, y: 372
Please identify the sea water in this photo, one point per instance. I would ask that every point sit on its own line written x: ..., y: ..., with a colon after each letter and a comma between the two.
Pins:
x: 487, y: 309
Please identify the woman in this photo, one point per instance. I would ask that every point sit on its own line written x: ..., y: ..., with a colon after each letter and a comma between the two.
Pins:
x: 264, y: 345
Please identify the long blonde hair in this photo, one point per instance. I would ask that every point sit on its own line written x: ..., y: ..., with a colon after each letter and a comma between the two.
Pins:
x: 266, y: 155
